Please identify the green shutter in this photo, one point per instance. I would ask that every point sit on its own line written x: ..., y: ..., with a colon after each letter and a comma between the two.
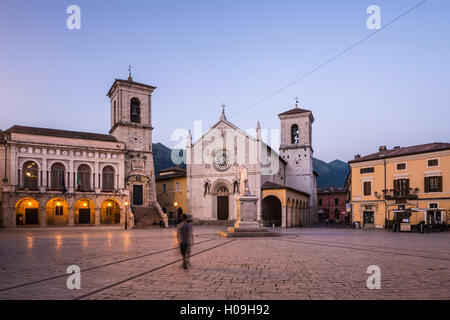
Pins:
x: 440, y: 184
x: 426, y: 185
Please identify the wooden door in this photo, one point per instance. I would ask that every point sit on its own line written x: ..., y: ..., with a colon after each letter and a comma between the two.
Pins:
x: 84, y: 216
x: 222, y: 208
x: 31, y: 216
x: 138, y: 195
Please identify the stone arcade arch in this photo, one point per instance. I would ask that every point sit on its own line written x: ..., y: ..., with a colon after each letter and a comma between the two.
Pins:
x: 57, y: 212
x: 110, y: 212
x: 28, y: 212
x: 271, y: 211
x: 84, y: 211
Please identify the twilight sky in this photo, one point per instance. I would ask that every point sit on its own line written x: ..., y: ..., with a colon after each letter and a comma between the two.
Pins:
x: 391, y: 90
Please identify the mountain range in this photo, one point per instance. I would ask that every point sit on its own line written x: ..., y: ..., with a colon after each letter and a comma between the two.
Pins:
x: 333, y: 173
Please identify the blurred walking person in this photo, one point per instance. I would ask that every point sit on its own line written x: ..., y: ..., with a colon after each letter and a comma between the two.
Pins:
x: 185, y: 239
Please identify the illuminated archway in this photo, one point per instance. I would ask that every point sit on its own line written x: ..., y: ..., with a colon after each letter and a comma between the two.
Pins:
x: 57, y: 212
x: 84, y: 211
x: 28, y: 212
x: 110, y: 212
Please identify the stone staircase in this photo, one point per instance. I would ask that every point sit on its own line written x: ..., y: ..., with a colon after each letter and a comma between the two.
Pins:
x: 146, y: 216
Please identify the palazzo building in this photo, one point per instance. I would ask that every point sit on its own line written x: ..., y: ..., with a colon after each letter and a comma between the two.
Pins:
x: 409, y: 185
x: 65, y: 178
x: 284, y: 183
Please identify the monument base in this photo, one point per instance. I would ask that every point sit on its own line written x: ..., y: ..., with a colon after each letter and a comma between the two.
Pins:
x: 247, y: 224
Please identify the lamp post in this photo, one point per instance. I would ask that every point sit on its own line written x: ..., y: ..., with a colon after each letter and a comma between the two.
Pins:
x: 175, y: 204
x: 126, y: 215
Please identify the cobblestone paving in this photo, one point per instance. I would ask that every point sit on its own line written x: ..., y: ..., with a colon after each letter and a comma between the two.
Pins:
x: 306, y: 263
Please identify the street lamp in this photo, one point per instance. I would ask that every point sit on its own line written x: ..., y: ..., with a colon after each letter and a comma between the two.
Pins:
x: 126, y: 215
x: 177, y: 218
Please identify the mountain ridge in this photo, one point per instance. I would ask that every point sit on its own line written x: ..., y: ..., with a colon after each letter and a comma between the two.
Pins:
x: 332, y: 173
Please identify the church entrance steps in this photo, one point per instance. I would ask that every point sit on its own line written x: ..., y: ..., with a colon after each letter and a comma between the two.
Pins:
x: 213, y: 223
x: 248, y: 233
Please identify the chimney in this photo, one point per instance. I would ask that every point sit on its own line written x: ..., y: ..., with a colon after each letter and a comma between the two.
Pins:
x: 382, y: 148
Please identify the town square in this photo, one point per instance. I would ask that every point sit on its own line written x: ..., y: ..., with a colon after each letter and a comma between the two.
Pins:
x: 304, y: 263
x: 210, y: 151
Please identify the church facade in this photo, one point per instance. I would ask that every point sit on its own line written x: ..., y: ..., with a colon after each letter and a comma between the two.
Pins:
x: 284, y: 183
x: 65, y: 178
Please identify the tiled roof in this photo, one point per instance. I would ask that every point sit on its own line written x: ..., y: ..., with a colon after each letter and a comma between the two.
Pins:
x: 331, y: 190
x: 171, y: 176
x: 399, y: 152
x: 271, y: 185
x: 61, y: 133
x: 174, y: 168
x: 294, y: 111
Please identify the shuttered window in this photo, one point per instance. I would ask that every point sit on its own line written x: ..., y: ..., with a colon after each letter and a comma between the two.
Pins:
x: 367, y: 188
x: 433, y: 184
x: 401, y: 187
x: 401, y: 166
x: 433, y: 162
x: 367, y: 170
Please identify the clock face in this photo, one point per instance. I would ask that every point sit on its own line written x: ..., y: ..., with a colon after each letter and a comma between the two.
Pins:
x: 222, y: 160
x: 135, y: 138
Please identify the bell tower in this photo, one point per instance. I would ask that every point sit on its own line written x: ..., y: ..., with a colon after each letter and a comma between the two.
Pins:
x: 296, y: 149
x: 131, y: 123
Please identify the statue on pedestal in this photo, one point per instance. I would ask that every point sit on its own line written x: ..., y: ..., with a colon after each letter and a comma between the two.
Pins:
x: 244, y: 189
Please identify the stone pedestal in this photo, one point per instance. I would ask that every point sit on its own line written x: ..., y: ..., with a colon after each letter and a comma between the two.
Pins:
x: 247, y: 224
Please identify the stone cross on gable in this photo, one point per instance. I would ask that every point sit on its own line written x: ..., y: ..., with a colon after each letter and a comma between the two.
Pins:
x: 222, y: 116
x: 129, y: 73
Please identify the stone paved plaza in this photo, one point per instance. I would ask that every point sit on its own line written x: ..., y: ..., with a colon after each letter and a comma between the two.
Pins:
x: 306, y: 263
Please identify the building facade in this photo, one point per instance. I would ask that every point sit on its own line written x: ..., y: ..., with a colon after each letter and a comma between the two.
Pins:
x: 66, y: 178
x: 171, y: 192
x: 410, y: 184
x: 285, y: 184
x: 331, y: 203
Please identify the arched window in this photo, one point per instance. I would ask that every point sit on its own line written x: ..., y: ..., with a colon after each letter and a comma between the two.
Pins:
x: 135, y: 110
x: 294, y: 134
x: 30, y: 175
x: 108, y: 178
x: 84, y: 177
x: 57, y: 176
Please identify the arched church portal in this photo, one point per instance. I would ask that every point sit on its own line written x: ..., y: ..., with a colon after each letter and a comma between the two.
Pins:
x: 222, y: 203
